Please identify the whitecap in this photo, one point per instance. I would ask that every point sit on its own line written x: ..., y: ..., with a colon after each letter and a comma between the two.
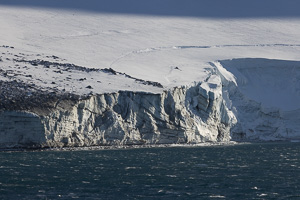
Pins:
x: 24, y: 165
x: 173, y: 176
x: 217, y: 196
x: 262, y: 195
x: 127, y: 168
x: 85, y: 182
x: 149, y: 175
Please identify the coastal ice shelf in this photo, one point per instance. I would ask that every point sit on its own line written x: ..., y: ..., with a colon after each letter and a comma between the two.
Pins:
x: 83, y: 76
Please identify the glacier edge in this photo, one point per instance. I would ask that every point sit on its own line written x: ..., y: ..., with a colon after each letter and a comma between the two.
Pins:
x: 218, y: 109
x: 192, y: 114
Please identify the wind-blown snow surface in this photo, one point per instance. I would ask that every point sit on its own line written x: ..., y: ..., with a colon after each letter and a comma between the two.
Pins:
x: 249, y: 59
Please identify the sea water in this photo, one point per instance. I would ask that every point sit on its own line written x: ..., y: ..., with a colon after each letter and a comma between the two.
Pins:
x: 248, y: 171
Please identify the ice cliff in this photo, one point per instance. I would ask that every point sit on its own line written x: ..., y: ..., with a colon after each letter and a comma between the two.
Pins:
x: 181, y: 115
x: 88, y: 76
x: 241, y: 99
x: 264, y: 96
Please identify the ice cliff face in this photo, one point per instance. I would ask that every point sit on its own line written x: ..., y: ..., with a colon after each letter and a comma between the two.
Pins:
x: 181, y: 115
x: 264, y: 96
x: 241, y: 99
x: 20, y: 129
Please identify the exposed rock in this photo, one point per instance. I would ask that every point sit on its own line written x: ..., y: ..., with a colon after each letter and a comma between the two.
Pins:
x: 68, y: 66
x: 18, y: 96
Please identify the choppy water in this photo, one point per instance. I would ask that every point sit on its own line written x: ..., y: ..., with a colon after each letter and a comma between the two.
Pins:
x: 249, y: 171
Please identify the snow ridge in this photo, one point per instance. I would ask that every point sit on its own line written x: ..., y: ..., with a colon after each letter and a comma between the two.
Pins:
x: 154, y: 49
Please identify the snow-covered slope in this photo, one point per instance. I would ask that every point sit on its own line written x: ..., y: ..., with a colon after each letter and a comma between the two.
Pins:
x: 264, y: 96
x: 273, y: 83
x: 247, y: 54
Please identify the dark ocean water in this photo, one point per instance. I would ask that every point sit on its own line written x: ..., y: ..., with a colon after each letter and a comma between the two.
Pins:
x: 248, y: 171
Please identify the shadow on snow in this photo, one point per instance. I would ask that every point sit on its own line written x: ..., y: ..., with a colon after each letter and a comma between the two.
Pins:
x: 180, y: 8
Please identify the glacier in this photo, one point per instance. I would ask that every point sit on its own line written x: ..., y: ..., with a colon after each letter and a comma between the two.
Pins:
x: 264, y: 97
x: 75, y: 75
x: 222, y: 108
x: 181, y: 115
